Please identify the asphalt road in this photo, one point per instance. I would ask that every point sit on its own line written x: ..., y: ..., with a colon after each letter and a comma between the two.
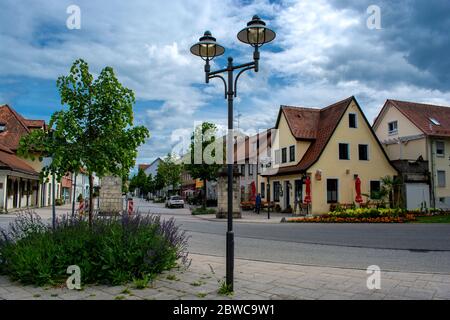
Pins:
x: 394, y: 247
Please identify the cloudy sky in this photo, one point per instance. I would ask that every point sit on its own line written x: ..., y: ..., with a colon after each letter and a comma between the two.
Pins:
x: 324, y: 52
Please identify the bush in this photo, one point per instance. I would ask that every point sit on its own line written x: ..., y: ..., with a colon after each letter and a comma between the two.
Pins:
x: 200, y: 210
x: 112, y: 251
x: 59, y: 202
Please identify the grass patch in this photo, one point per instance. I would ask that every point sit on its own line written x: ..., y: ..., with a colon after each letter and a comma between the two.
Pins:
x: 225, y: 289
x: 201, y: 294
x: 197, y: 283
x: 172, y: 277
x: 433, y: 219
x: 119, y: 298
x: 142, y: 283
x: 201, y: 211
x: 125, y: 291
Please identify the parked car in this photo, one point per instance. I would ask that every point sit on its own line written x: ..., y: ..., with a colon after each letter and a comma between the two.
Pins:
x: 175, y: 201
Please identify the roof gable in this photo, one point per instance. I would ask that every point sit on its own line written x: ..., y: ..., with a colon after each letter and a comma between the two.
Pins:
x: 431, y: 119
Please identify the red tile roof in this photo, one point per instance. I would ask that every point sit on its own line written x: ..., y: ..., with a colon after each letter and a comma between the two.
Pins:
x: 15, y: 127
x: 316, y: 125
x: 9, y: 161
x: 420, y: 115
x: 143, y: 166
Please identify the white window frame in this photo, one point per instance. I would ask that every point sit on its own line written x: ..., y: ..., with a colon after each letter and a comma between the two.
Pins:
x: 277, y: 156
x: 394, y: 131
x: 440, y: 185
x: 443, y: 149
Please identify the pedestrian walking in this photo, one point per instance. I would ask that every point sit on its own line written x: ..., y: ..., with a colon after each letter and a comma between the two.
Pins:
x: 258, y: 203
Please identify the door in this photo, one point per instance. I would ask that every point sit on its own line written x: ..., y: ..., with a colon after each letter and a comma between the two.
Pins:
x: 287, y: 194
x: 416, y: 195
x: 298, y: 189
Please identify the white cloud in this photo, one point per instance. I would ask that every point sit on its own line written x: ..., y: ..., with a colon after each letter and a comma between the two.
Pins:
x: 147, y: 43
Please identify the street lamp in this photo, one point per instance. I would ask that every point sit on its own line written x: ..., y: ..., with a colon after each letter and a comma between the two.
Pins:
x: 255, y: 34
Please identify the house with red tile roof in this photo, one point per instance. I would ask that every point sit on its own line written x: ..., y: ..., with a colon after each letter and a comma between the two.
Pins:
x: 416, y: 137
x: 330, y: 149
x: 19, y: 178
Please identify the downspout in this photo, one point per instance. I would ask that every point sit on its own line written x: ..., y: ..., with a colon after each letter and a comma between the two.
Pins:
x: 432, y: 175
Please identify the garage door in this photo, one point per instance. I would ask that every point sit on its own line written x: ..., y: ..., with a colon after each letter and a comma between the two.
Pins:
x: 416, y: 194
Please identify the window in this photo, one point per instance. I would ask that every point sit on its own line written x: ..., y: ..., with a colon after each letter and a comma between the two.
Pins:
x: 2, y: 127
x: 250, y: 169
x: 392, y: 127
x: 263, y: 190
x: 440, y: 148
x: 277, y: 157
x: 352, y: 120
x: 343, y: 151
x: 284, y: 155
x: 441, y: 178
x: 243, y: 169
x: 363, y: 150
x: 375, y: 187
x: 332, y: 190
x: 435, y: 122
x: 292, y: 153
x: 276, y: 191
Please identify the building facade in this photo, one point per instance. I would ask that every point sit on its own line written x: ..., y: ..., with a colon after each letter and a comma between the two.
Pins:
x: 416, y: 138
x: 19, y: 178
x: 333, y: 146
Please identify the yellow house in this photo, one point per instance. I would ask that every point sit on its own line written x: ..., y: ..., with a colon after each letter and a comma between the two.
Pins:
x: 333, y: 146
x: 416, y: 138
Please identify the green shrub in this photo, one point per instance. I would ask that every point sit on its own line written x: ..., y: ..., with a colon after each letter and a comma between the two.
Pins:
x: 112, y: 251
x: 199, y: 211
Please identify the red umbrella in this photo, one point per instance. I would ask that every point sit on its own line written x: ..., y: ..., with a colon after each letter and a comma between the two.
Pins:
x: 253, y: 191
x: 308, y: 190
x: 358, y: 198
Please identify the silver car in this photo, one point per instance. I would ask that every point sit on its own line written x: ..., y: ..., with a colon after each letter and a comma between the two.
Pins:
x: 175, y: 201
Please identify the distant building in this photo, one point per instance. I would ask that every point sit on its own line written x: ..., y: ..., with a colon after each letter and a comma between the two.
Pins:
x: 416, y: 137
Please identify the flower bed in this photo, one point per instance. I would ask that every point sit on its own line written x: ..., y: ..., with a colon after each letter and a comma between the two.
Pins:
x: 111, y: 251
x: 360, y: 215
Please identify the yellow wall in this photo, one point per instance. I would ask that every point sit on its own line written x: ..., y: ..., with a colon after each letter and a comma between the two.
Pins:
x: 441, y: 163
x: 285, y: 139
x: 344, y: 170
x: 405, y: 127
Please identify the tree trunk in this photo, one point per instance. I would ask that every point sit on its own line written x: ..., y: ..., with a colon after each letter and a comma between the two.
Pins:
x: 91, y: 196
x: 204, y: 194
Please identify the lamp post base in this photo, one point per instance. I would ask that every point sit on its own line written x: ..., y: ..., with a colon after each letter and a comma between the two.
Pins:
x: 230, y: 260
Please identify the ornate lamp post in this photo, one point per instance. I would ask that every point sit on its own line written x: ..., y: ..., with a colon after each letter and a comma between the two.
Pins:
x: 255, y: 34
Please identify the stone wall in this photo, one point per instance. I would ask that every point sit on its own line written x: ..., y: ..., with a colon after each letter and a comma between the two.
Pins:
x: 222, y: 197
x: 111, y: 200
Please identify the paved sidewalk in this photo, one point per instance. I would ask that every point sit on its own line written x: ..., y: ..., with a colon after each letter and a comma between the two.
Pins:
x: 254, y: 280
x: 250, y: 216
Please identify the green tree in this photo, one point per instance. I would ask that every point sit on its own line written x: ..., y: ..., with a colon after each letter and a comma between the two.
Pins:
x: 204, y: 135
x: 170, y: 171
x: 94, y: 131
x: 389, y: 188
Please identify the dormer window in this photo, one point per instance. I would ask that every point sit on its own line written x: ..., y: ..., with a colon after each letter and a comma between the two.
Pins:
x: 2, y: 127
x: 435, y: 122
